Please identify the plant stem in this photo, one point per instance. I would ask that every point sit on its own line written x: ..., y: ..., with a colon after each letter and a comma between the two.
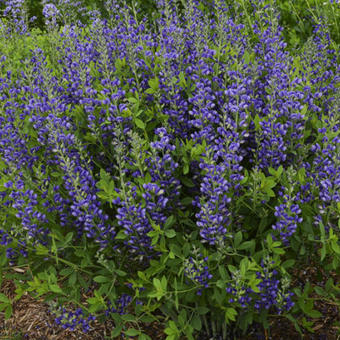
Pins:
x: 205, y: 321
x: 213, y: 326
x: 224, y: 331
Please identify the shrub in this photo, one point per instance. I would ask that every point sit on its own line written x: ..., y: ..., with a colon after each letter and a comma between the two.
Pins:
x: 176, y: 170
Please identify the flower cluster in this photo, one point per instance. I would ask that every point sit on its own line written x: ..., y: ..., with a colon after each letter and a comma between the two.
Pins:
x: 240, y: 294
x: 51, y: 12
x: 213, y: 218
x: 288, y: 220
x: 16, y: 12
x: 64, y: 11
x: 197, y: 270
x: 72, y: 320
x: 269, y: 292
x: 273, y: 292
x: 121, y: 304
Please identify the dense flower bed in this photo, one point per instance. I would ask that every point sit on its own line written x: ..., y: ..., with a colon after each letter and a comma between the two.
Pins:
x: 175, y: 170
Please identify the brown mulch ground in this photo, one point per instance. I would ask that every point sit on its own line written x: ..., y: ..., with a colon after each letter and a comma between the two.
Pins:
x: 31, y: 320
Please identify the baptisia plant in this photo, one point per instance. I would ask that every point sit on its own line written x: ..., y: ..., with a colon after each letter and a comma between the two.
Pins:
x: 179, y: 170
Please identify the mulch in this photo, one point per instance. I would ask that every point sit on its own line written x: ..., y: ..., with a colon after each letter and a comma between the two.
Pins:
x: 31, y: 320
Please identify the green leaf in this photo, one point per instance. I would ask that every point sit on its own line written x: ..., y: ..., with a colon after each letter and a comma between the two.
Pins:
x: 257, y: 122
x: 132, y: 332
x: 164, y: 283
x: 297, y: 291
x: 302, y: 250
x: 68, y: 238
x: 8, y: 312
x: 186, y: 169
x: 147, y: 319
x: 121, y: 235
x: 202, y: 310
x: 182, y: 80
x: 4, y: 298
x: 172, y: 330
x: 329, y: 285
x: 129, y: 317
x: 223, y: 272
x: 101, y: 279
x: 295, y: 322
x: 196, y: 322
x: 320, y: 291
x: 169, y: 222
x: 269, y: 183
x: 2, y: 165
x: 247, y: 245
x: 154, y: 84
x: 323, y: 252
x: 182, y: 317
x: 322, y: 231
x: 142, y: 276
x: 307, y: 325
x: 118, y: 64
x: 187, y: 182
x: 335, y: 263
x: 270, y: 193
x: 139, y: 123
x: 335, y: 247
x: 278, y: 251
x: 56, y: 289
x: 220, y: 284
x: 304, y: 110
x: 157, y: 283
x: 82, y: 282
x: 231, y: 268
x: 171, y: 336
x: 117, y: 331
x: 247, y: 57
x: 147, y: 178
x: 254, y: 285
x: 302, y: 175
x: 120, y: 272
x: 150, y: 91
x: 187, y: 201
x: 176, y: 249
x: 170, y: 233
x: 230, y: 314
x: 238, y: 239
x: 41, y: 250
x: 272, y: 171
x: 244, y: 266
x: 269, y: 240
x: 66, y: 271
x: 314, y: 314
x: 72, y: 279
x: 288, y: 263
x: 132, y: 100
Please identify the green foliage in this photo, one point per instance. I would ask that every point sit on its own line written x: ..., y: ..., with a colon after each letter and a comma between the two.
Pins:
x: 70, y: 265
